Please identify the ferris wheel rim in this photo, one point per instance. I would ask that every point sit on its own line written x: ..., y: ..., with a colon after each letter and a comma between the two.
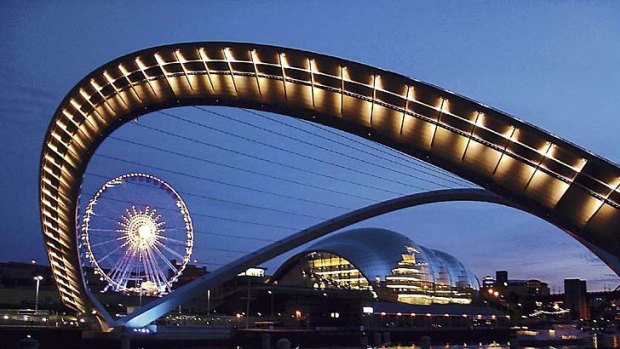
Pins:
x: 89, y: 213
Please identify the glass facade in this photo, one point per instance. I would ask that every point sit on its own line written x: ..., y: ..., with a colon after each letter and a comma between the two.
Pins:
x: 324, y: 270
x: 426, y: 276
x: 384, y: 262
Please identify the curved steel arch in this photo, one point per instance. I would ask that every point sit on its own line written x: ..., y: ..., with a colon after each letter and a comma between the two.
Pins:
x: 554, y: 179
x: 160, y: 307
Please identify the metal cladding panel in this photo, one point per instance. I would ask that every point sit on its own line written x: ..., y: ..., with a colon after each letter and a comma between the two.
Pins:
x: 445, y: 129
x: 604, y: 220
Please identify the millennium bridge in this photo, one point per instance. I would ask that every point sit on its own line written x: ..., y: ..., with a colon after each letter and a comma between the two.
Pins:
x: 518, y: 164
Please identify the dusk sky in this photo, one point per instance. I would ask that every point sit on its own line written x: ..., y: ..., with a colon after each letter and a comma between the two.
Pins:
x: 553, y: 64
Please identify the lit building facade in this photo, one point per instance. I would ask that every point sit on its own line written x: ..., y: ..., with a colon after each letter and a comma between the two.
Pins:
x: 503, y: 286
x: 388, y: 264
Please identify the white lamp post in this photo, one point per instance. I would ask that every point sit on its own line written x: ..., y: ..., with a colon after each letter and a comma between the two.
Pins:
x: 38, y: 279
x: 208, y: 302
x: 271, y: 294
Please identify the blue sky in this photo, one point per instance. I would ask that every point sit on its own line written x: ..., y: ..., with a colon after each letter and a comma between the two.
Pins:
x: 553, y: 64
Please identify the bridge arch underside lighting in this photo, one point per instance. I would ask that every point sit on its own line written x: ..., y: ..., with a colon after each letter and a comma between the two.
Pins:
x: 549, y: 177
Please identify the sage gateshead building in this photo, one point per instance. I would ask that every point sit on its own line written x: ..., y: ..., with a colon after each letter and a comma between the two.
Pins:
x: 386, y: 263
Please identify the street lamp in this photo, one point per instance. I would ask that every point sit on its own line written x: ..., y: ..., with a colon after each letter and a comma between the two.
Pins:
x: 271, y: 294
x: 38, y: 279
x: 208, y: 302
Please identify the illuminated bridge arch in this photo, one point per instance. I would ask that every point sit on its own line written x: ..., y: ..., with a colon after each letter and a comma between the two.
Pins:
x: 157, y: 308
x: 552, y: 178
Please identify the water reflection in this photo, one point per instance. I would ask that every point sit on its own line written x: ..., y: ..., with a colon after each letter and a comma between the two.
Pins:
x: 598, y: 341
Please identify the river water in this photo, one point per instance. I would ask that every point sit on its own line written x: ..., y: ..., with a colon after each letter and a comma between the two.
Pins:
x: 596, y: 342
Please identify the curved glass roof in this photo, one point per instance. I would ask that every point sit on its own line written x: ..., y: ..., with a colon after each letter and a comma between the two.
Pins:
x: 458, y: 274
x: 377, y: 253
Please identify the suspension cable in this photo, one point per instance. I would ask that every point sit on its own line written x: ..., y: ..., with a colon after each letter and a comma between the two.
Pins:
x: 293, y: 152
x: 239, y: 168
x: 395, y: 154
x: 135, y: 163
x: 235, y: 236
x: 226, y: 201
x: 236, y: 220
x: 172, y: 210
x: 437, y: 175
x: 270, y: 161
x: 321, y: 147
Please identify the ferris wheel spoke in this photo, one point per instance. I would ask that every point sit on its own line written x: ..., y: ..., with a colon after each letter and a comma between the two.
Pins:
x: 117, y: 268
x: 173, y: 240
x: 147, y: 272
x: 138, y: 270
x: 97, y: 234
x: 106, y: 237
x: 161, y: 271
x: 104, y: 230
x: 127, y: 268
x: 111, y: 208
x: 103, y: 243
x: 168, y: 263
x: 156, y: 274
x: 113, y: 251
x: 112, y: 270
x: 105, y: 217
x: 154, y: 266
x: 179, y: 228
x: 148, y: 266
x: 175, y: 253
x: 149, y: 261
x: 119, y: 265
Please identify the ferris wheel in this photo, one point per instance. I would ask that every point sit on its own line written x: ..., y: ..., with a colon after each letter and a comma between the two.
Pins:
x: 137, y: 234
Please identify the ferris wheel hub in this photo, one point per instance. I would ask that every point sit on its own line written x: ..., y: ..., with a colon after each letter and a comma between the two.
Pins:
x: 142, y: 230
x: 145, y: 232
